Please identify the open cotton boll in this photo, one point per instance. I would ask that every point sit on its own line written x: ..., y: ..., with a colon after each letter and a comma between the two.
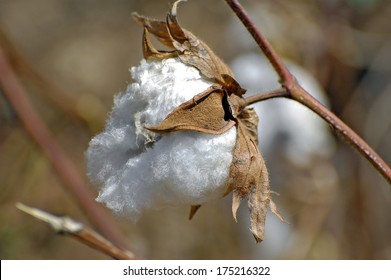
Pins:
x: 136, y: 169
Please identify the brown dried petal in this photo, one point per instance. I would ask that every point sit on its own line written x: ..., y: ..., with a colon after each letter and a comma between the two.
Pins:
x: 204, y: 113
x: 258, y: 201
x: 248, y: 175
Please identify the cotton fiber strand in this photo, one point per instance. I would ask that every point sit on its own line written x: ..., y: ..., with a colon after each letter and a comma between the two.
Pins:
x: 136, y: 169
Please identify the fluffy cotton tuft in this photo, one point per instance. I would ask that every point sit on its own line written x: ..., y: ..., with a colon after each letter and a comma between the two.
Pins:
x: 136, y: 169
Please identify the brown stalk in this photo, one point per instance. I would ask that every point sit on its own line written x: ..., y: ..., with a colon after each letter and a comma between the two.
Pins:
x: 68, y: 226
x: 294, y: 91
x: 63, y: 165
x: 281, y: 92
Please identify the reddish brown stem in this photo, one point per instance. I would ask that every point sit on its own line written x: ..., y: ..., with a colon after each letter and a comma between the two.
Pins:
x: 281, y: 92
x: 61, y: 162
x: 296, y: 92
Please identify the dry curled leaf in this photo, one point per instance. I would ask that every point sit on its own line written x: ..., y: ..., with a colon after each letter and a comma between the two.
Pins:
x: 215, y: 111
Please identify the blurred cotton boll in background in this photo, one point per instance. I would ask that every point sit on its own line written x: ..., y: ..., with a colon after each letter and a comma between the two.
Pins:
x: 136, y: 169
x: 297, y: 146
x: 284, y: 123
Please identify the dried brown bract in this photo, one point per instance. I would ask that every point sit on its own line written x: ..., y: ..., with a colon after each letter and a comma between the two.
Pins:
x: 214, y: 111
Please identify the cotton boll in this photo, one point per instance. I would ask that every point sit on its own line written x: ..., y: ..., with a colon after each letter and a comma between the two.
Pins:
x: 136, y: 169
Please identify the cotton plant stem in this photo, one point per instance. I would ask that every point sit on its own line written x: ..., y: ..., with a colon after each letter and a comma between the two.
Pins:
x: 63, y: 165
x: 295, y: 92
x: 281, y: 92
x: 68, y: 226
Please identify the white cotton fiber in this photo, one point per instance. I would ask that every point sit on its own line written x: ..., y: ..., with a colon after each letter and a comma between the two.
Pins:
x: 136, y: 169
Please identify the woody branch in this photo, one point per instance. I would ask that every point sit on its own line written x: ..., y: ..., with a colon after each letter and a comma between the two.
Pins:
x: 291, y: 89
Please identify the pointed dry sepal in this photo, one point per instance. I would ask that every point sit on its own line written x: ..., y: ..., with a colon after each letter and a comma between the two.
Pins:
x: 156, y: 27
x: 149, y: 50
x: 193, y: 210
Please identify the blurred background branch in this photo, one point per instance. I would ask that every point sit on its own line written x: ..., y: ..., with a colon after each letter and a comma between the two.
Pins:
x: 61, y: 100
x: 63, y: 165
x: 65, y: 225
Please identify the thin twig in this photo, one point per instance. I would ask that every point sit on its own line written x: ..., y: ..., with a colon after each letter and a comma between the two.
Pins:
x: 281, y: 92
x: 297, y: 93
x: 61, y: 162
x: 68, y: 226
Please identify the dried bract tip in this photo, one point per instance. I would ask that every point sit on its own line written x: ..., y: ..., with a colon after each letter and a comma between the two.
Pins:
x: 193, y: 210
